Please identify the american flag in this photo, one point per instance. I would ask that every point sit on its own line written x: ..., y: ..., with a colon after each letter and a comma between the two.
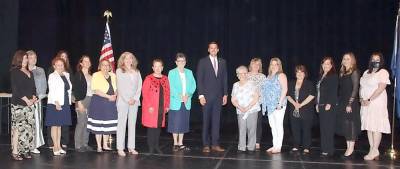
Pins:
x: 106, y: 50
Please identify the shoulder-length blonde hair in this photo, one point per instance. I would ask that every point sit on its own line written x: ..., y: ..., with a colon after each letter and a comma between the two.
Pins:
x: 122, y: 58
x: 352, y: 67
x: 256, y: 61
x: 278, y: 61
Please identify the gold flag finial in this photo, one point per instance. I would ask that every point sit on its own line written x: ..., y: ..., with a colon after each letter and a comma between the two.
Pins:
x: 108, y: 14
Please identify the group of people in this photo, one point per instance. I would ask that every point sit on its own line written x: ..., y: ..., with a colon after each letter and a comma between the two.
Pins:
x: 107, y: 103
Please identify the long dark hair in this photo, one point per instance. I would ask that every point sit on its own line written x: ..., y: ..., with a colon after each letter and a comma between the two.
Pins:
x: 79, y: 66
x: 333, y: 69
x: 381, y: 61
x: 18, y: 59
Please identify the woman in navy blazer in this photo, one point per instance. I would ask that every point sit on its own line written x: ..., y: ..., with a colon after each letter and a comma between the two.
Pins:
x: 182, y: 87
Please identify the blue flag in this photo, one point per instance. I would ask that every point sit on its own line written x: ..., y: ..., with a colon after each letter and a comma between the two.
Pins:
x: 395, y: 65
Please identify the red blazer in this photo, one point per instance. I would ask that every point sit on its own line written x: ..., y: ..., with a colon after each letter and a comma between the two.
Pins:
x: 150, y: 94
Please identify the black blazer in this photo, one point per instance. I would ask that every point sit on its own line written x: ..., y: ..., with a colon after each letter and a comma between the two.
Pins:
x: 306, y: 89
x: 329, y: 90
x: 208, y: 84
x: 80, y: 86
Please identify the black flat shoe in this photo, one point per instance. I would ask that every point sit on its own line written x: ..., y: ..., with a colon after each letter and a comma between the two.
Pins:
x: 351, y: 156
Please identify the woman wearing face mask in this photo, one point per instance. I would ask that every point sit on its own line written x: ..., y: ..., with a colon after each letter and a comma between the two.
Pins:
x: 373, y: 97
x: 348, y: 106
x: 326, y: 101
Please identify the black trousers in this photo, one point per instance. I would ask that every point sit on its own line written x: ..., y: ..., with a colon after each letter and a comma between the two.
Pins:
x: 153, y: 138
x: 211, y: 121
x: 259, y: 127
x: 327, y: 121
x: 301, y: 131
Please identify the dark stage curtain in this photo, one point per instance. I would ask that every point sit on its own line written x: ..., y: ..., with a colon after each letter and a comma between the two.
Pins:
x: 300, y: 31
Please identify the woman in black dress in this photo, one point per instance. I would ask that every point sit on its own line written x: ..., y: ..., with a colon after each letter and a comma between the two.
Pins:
x: 22, y: 107
x: 300, y: 94
x: 326, y: 102
x: 349, y: 124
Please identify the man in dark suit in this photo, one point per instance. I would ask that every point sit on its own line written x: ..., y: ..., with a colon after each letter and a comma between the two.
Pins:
x: 213, y: 93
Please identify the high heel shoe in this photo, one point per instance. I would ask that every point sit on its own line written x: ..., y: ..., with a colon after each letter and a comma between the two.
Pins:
x: 370, y: 158
x: 16, y: 157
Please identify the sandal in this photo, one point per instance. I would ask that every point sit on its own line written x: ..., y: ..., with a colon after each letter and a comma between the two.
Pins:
x: 99, y: 150
x: 184, y: 148
x: 16, y: 157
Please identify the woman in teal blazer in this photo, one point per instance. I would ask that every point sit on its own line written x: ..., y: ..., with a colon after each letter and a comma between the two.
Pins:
x: 182, y: 87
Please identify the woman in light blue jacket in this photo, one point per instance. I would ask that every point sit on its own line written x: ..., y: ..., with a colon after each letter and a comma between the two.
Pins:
x: 182, y: 86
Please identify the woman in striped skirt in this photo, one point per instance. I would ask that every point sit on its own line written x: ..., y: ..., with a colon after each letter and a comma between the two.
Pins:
x: 103, y: 116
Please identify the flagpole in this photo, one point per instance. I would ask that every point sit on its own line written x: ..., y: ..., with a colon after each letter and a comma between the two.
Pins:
x: 107, y: 14
x: 392, y: 152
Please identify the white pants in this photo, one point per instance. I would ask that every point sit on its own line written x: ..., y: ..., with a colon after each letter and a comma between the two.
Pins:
x: 126, y: 112
x: 275, y: 120
x: 39, y: 140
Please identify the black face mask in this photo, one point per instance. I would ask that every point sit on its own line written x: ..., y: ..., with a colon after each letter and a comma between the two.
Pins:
x: 376, y: 64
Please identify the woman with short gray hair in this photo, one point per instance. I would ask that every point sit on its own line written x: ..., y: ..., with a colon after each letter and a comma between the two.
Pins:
x: 245, y: 97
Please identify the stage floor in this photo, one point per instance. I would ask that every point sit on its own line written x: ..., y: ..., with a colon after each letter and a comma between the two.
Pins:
x: 193, y: 159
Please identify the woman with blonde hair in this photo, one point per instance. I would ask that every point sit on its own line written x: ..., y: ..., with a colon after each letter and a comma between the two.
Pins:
x: 256, y: 76
x: 129, y: 86
x: 274, y: 90
x: 348, y: 110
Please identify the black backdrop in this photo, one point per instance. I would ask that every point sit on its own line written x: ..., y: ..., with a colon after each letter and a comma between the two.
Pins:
x: 300, y: 31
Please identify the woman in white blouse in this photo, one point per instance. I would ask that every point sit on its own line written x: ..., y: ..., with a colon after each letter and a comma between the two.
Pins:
x: 245, y: 97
